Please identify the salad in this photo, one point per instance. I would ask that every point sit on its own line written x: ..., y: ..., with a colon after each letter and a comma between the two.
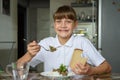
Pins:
x: 62, y: 70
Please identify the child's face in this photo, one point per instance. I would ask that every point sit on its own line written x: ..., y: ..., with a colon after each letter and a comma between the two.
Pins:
x: 64, y: 27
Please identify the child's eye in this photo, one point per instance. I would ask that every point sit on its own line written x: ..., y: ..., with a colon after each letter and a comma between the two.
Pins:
x: 69, y: 21
x: 58, y: 21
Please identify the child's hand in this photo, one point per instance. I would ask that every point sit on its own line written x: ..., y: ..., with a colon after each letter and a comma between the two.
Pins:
x: 33, y: 48
x: 82, y: 69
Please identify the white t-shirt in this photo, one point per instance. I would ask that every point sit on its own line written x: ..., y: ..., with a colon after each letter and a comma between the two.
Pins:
x: 63, y: 54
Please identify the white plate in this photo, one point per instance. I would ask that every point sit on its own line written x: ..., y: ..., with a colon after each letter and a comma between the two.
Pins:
x: 56, y: 74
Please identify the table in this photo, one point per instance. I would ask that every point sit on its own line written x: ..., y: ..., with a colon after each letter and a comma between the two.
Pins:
x: 4, y: 76
x: 37, y: 76
x: 113, y: 76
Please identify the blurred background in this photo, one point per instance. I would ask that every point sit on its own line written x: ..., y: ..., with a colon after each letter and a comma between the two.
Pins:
x: 22, y: 21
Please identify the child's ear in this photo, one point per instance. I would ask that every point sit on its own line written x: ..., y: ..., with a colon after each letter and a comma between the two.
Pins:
x: 76, y: 24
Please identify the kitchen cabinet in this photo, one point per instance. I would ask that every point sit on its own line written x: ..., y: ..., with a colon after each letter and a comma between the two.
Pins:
x: 87, y: 20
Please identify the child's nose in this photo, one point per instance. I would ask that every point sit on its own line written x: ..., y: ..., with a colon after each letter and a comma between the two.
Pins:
x: 63, y: 24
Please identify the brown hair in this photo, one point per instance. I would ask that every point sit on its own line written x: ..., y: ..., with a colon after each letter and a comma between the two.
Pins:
x: 65, y: 12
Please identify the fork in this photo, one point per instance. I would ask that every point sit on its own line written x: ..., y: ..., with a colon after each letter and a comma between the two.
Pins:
x: 44, y: 48
x: 51, y: 48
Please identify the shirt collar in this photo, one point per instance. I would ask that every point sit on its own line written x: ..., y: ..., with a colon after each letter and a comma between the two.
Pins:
x: 69, y: 43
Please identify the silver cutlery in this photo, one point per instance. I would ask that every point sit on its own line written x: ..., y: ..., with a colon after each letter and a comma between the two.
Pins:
x: 51, y: 48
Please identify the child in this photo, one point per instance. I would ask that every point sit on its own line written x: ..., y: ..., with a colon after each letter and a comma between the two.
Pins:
x: 63, y: 45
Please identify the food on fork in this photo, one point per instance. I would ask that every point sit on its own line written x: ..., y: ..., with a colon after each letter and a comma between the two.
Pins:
x: 52, y: 49
x: 77, y: 58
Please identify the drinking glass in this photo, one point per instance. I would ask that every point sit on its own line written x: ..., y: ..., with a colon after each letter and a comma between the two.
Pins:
x: 19, y: 71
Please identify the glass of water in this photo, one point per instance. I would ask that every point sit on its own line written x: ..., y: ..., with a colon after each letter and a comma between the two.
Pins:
x: 19, y: 71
